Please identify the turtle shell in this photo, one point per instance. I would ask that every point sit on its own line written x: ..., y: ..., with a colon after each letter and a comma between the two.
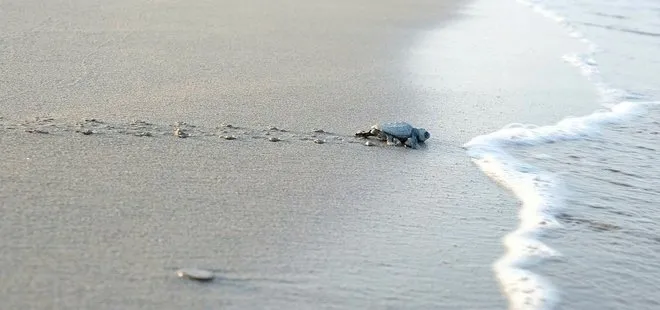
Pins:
x: 398, y: 129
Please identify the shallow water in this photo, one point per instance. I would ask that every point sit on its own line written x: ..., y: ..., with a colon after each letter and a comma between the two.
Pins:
x: 589, y: 183
x: 609, y: 236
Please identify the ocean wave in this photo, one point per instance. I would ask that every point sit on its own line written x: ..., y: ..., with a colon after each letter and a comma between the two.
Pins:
x: 542, y: 193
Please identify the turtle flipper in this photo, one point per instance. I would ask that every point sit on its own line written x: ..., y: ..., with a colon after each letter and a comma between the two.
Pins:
x: 414, y: 140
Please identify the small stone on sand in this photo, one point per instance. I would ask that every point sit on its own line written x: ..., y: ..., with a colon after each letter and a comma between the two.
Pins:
x: 319, y: 141
x: 369, y: 143
x: 195, y: 274
x: 86, y: 132
x: 180, y: 133
x: 318, y: 130
x: 229, y: 137
x: 274, y: 139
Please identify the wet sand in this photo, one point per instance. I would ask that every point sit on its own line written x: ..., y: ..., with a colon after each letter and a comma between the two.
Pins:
x: 103, y: 220
x: 291, y: 63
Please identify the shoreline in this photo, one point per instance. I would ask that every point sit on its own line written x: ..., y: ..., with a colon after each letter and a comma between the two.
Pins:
x: 516, y: 71
x: 286, y: 224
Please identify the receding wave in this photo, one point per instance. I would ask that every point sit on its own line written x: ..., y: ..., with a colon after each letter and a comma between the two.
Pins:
x: 542, y: 193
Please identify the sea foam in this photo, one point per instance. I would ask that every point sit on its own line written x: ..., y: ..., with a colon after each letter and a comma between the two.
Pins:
x: 540, y: 192
x: 540, y: 195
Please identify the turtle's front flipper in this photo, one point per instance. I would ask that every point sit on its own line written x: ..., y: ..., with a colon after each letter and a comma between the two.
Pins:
x: 414, y: 140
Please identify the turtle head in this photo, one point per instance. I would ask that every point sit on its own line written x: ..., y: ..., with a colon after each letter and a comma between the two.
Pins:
x: 422, y: 134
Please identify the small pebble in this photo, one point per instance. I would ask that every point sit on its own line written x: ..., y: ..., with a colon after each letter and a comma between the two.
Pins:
x: 180, y: 133
x: 318, y: 130
x: 273, y: 128
x: 319, y: 141
x: 274, y: 139
x: 195, y: 274
x: 229, y: 137
x: 369, y: 143
x: 86, y: 132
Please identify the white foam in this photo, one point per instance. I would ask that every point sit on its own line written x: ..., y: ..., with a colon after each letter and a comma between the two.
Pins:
x: 541, y: 194
x: 570, y: 128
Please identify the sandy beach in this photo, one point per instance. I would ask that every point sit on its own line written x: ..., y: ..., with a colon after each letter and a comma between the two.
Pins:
x: 292, y: 64
x: 101, y: 203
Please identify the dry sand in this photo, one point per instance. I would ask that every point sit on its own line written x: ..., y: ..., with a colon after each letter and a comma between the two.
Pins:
x: 103, y: 220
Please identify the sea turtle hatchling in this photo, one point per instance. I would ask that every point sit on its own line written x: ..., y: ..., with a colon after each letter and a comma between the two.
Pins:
x: 401, y: 131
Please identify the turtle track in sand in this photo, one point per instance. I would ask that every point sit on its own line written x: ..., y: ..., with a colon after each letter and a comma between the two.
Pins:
x: 140, y: 128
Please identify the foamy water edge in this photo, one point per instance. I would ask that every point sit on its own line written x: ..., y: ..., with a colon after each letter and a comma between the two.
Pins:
x: 541, y: 192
